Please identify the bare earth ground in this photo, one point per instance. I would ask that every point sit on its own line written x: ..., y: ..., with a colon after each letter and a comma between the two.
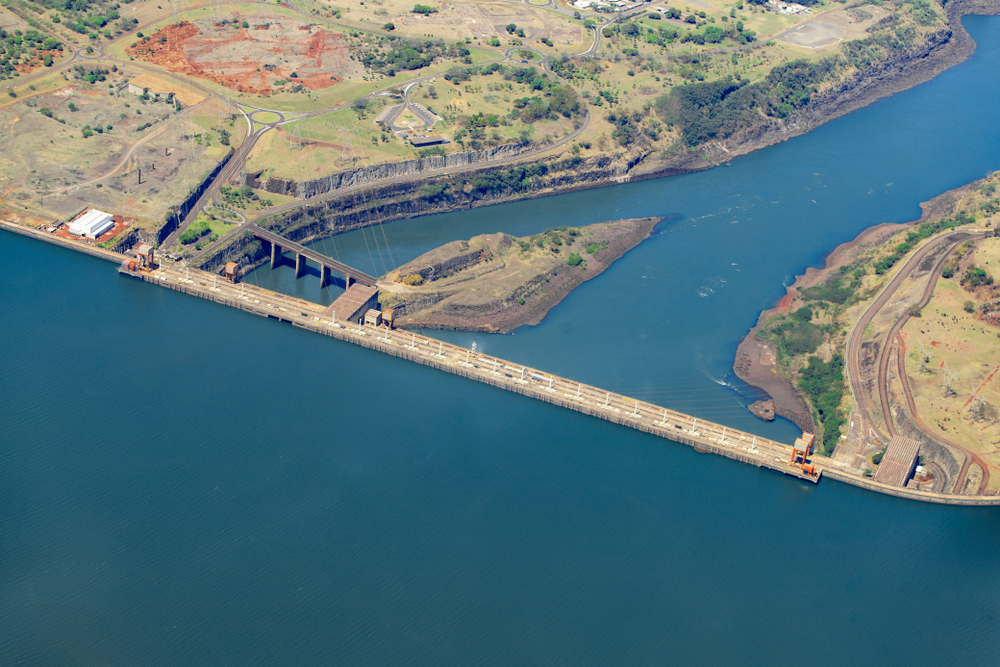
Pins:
x: 498, y: 283
x: 833, y: 27
x: 254, y: 59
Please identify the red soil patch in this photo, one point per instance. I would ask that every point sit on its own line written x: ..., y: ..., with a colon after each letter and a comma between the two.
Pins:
x: 225, y: 56
x: 785, y: 302
x: 934, y: 343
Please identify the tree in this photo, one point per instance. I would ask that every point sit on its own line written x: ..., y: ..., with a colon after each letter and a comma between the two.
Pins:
x: 389, y: 26
x: 511, y: 28
x: 574, y: 259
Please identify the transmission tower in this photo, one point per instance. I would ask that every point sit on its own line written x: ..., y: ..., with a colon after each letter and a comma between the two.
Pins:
x: 173, y: 11
x: 347, y: 149
x: 950, y: 377
x: 978, y: 409
x: 924, y: 357
x: 294, y: 137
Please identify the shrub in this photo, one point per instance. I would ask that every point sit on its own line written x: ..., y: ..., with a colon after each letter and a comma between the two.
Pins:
x: 389, y: 26
x: 975, y: 277
x: 424, y: 9
x: 413, y: 280
x: 574, y: 259
x: 878, y: 456
x: 969, y: 306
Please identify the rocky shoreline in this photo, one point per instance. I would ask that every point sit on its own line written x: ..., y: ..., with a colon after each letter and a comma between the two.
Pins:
x: 496, y: 283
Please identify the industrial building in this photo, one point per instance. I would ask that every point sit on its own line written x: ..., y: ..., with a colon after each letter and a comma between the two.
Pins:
x: 898, y: 462
x: 92, y: 224
x: 354, y: 303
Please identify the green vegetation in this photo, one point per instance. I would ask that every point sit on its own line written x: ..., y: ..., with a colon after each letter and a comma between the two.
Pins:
x: 718, y: 109
x: 795, y: 334
x: 195, y: 232
x: 574, y: 259
x: 834, y: 291
x: 390, y: 53
x: 975, y: 277
x: 823, y: 383
x: 424, y: 9
x: 30, y: 46
x: 922, y: 232
x: 86, y: 17
x: 413, y: 280
x: 878, y: 456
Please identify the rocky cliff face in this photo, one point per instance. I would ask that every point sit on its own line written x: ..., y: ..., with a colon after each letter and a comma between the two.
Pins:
x: 382, y: 172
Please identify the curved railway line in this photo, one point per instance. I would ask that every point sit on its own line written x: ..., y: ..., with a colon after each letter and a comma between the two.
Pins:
x: 894, y: 345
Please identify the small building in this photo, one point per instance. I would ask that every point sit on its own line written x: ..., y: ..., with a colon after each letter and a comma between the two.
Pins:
x: 387, y: 316
x: 373, y: 318
x: 354, y: 303
x: 92, y: 224
x: 144, y: 254
x: 802, y: 448
x: 230, y: 271
x: 898, y: 462
x: 427, y: 139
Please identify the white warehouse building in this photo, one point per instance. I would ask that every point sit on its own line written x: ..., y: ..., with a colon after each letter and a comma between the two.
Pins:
x: 92, y: 224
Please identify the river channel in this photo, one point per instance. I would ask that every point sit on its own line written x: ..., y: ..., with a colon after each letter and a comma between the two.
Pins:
x: 182, y: 483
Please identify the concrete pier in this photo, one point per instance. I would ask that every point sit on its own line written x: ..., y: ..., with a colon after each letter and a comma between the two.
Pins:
x: 275, y: 255
x: 300, y: 265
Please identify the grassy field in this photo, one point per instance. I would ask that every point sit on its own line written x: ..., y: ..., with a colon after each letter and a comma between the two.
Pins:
x: 72, y: 143
x: 952, y: 358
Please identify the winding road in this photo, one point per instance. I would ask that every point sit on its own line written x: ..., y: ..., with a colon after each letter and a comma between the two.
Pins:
x: 893, y: 344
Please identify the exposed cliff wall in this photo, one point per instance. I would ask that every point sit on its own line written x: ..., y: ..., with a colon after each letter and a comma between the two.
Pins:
x: 380, y: 172
x: 178, y: 213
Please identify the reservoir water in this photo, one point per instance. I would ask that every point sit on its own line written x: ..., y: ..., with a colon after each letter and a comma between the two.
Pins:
x: 182, y: 483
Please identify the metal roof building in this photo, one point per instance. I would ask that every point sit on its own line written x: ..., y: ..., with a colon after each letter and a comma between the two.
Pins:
x: 899, y: 461
x: 92, y: 224
x: 354, y: 303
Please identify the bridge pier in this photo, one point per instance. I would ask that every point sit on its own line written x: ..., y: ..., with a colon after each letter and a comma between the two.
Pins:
x: 324, y: 276
x: 275, y: 255
x: 348, y: 281
x: 300, y: 265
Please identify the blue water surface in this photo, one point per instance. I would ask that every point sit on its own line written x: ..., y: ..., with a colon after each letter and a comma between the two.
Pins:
x: 182, y: 483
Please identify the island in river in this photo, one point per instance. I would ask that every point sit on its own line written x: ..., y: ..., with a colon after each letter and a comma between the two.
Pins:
x: 497, y: 283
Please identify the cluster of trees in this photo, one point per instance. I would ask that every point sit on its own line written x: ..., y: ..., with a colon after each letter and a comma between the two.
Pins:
x: 558, y: 100
x: 975, y: 277
x: 90, y: 74
x: 719, y: 109
x: 515, y: 179
x: 404, y: 55
x: 834, y: 291
x: 17, y: 47
x: 83, y: 16
x: 823, y: 383
x: 630, y: 128
x: 424, y: 9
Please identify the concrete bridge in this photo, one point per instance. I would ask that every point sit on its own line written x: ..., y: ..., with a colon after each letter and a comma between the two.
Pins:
x: 279, y: 244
